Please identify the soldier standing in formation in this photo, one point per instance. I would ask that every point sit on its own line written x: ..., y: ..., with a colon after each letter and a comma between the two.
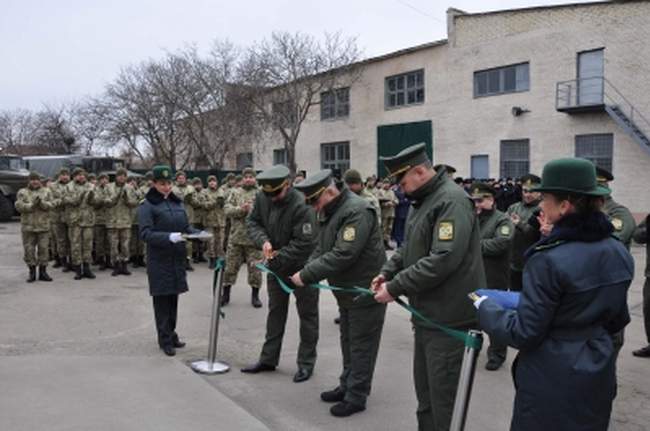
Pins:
x: 80, y: 199
x: 496, y: 238
x: 120, y: 201
x: 184, y: 192
x: 198, y: 218
x: 102, y: 249
x: 388, y: 202
x: 240, y: 247
x: 34, y: 204
x: 213, y: 203
x: 349, y: 253
x: 526, y: 233
x: 438, y: 265
x: 135, y: 243
x: 282, y: 225
x: 58, y: 189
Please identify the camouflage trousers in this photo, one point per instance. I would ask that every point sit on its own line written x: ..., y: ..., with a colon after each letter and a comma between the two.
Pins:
x: 136, y: 245
x: 387, y: 227
x: 62, y: 240
x: 101, y: 241
x: 52, y: 242
x: 35, y: 244
x: 236, y: 256
x: 81, y: 244
x: 119, y: 239
x: 214, y: 247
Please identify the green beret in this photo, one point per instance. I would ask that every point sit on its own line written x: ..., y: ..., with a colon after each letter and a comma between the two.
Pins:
x: 315, y: 184
x: 406, y: 159
x: 149, y: 175
x: 571, y: 175
x: 482, y: 190
x: 181, y: 173
x: 603, y: 176
x: 162, y: 172
x: 33, y: 175
x: 197, y: 180
x: 352, y: 176
x: 212, y: 178
x: 248, y: 171
x: 273, y: 179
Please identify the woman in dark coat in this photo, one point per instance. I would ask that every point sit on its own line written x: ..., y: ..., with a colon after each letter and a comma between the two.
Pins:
x: 574, y: 298
x: 162, y: 220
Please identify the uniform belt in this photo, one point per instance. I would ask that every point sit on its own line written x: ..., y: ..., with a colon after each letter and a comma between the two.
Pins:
x: 583, y: 333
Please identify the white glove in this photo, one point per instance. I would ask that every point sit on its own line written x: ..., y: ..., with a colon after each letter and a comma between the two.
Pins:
x: 477, y: 303
x: 175, y: 237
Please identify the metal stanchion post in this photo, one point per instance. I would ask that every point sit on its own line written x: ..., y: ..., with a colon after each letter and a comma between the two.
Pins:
x: 211, y: 365
x: 465, y: 382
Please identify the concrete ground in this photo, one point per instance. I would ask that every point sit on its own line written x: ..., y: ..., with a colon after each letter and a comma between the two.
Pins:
x: 78, y: 355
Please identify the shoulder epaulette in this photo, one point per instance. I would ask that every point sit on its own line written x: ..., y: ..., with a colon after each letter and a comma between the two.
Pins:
x: 548, y: 246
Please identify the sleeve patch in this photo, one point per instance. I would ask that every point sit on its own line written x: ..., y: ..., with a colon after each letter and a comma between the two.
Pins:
x: 306, y: 229
x: 505, y: 230
x: 446, y: 231
x: 349, y: 233
x: 617, y: 223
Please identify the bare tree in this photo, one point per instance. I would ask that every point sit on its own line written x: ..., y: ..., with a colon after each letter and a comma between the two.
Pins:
x: 53, y: 132
x: 285, y: 75
x: 89, y: 121
x: 17, y: 129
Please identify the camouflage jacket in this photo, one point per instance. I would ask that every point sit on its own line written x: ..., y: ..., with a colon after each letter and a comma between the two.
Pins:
x: 58, y: 190
x: 372, y: 199
x: 233, y: 209
x: 184, y: 193
x: 387, y: 201
x: 120, y: 200
x: 134, y: 211
x: 196, y: 202
x: 100, y: 204
x: 80, y: 199
x: 213, y: 202
x: 34, y: 206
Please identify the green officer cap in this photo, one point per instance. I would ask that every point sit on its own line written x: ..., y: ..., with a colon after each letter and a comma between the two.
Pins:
x: 273, y: 179
x: 102, y: 175
x: 352, y: 176
x: 406, y: 159
x: 447, y: 168
x: 78, y: 171
x: 181, y: 173
x: 248, y: 171
x: 212, y: 178
x: 603, y: 176
x: 149, y: 175
x: 482, y: 190
x: 197, y: 180
x: 162, y: 172
x: 33, y: 175
x: 64, y: 171
x: 121, y: 171
x: 530, y: 180
x: 314, y: 185
x: 571, y: 175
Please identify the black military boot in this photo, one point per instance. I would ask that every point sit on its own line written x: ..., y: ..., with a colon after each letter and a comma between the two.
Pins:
x: 102, y: 263
x: 57, y: 262
x: 124, y: 270
x: 143, y: 262
x: 188, y: 265
x: 116, y: 269
x: 78, y: 273
x: 67, y: 264
x: 42, y: 273
x: 225, y: 295
x: 87, y: 272
x: 32, y: 274
x: 134, y: 261
x: 109, y: 264
x: 255, y: 297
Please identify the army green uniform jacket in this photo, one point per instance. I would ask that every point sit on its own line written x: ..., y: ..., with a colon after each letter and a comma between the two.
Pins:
x: 34, y: 206
x: 496, y: 235
x: 100, y: 204
x: 184, y: 193
x: 80, y: 199
x: 622, y: 220
x: 440, y: 262
x: 213, y: 202
x: 349, y: 251
x: 238, y: 230
x: 58, y: 192
x: 288, y: 225
x: 120, y: 200
x: 525, y: 234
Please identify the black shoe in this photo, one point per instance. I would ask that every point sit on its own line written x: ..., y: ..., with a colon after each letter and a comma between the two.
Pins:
x: 302, y: 375
x: 255, y: 297
x: 109, y: 264
x: 87, y: 272
x: 258, y: 367
x: 67, y: 265
x: 123, y: 269
x: 344, y: 409
x: 57, y: 262
x: 178, y: 344
x: 102, y: 263
x: 493, y: 365
x: 116, y: 269
x: 42, y: 273
x: 169, y: 350
x: 225, y: 295
x: 643, y: 352
x: 78, y: 273
x: 188, y: 266
x: 32, y: 274
x: 337, y: 320
x: 333, y: 396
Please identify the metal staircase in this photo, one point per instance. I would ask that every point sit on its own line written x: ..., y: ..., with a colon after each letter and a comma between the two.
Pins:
x: 597, y: 94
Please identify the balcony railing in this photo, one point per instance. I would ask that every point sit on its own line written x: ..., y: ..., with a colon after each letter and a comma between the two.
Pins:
x: 585, y: 93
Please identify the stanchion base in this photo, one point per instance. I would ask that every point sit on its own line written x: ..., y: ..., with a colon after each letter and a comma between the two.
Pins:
x: 205, y: 367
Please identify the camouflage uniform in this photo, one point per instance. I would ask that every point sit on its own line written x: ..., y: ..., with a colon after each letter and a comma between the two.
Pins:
x: 388, y: 201
x: 80, y: 198
x: 120, y: 200
x: 102, y: 249
x: 185, y: 193
x: 213, y: 203
x: 372, y: 199
x: 59, y: 218
x: 198, y: 217
x: 136, y: 246
x: 34, y: 205
x: 240, y: 247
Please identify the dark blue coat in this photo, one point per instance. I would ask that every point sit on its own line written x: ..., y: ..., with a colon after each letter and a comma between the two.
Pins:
x: 157, y: 218
x: 574, y: 297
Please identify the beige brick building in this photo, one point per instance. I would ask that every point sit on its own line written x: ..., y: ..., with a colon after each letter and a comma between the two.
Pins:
x: 506, y: 92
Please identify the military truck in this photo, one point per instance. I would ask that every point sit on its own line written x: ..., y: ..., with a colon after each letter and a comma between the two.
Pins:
x: 49, y: 165
x: 13, y: 177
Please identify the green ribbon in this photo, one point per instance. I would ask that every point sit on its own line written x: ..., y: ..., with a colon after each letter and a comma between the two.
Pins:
x: 465, y: 337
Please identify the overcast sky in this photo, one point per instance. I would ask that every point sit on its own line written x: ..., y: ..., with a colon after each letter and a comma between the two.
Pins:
x: 58, y: 51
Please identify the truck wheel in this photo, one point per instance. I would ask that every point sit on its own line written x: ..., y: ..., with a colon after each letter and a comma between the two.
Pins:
x: 6, y: 209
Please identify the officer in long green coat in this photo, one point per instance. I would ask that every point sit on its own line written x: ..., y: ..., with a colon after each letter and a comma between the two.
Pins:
x: 349, y: 253
x: 438, y: 265
x: 496, y: 235
x: 619, y: 215
x: 282, y: 225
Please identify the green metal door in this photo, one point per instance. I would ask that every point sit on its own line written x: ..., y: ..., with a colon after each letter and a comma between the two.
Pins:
x: 393, y: 138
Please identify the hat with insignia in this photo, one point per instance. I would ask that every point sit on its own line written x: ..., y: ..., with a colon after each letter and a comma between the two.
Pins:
x: 571, y: 175
x: 274, y: 179
x: 315, y: 184
x: 212, y: 178
x: 197, y: 180
x: 530, y: 180
x: 603, y: 176
x: 121, y: 171
x: 162, y: 172
x: 406, y: 159
x: 149, y: 175
x: 352, y: 176
x: 482, y: 190
x: 447, y: 168
x: 33, y: 175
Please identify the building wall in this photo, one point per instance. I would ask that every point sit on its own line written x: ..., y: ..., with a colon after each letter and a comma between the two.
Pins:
x: 549, y: 39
